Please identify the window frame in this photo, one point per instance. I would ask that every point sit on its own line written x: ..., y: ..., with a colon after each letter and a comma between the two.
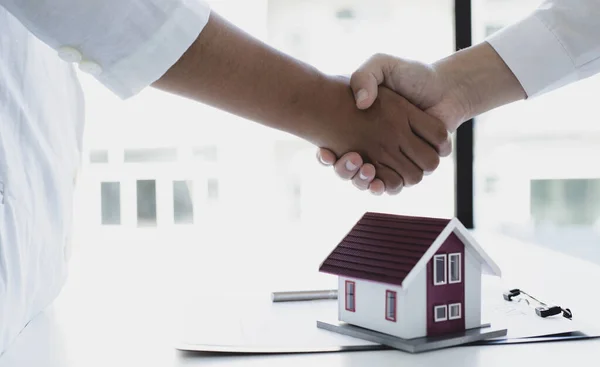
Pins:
x: 450, y: 256
x: 346, y: 295
x: 450, y: 317
x: 435, y: 314
x: 464, y: 138
x: 395, y: 305
x: 435, y: 272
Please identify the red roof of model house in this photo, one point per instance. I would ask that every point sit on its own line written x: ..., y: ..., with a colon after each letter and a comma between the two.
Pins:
x: 391, y: 248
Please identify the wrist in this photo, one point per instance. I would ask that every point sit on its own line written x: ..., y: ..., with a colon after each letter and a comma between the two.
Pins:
x: 330, y: 98
x: 477, y: 80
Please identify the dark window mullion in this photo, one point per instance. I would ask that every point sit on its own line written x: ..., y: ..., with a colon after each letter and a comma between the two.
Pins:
x: 464, y: 144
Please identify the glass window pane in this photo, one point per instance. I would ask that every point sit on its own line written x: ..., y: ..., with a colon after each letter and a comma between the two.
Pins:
x: 532, y: 152
x: 206, y: 153
x: 146, y: 203
x: 350, y: 296
x: 110, y: 196
x: 440, y: 313
x: 455, y: 267
x: 391, y: 305
x: 213, y: 189
x: 151, y: 155
x: 183, y: 205
x: 455, y: 311
x: 440, y: 269
x: 99, y: 156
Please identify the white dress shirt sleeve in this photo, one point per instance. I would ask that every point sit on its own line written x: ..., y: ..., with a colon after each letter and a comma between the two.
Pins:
x: 126, y: 44
x: 558, y: 44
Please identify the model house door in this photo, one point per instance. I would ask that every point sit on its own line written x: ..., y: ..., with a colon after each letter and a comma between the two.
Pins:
x: 445, y: 289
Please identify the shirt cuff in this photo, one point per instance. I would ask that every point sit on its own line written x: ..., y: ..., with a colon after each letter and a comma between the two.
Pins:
x: 158, y: 54
x: 535, y: 56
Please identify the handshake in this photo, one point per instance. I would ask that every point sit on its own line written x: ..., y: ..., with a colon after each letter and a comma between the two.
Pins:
x: 407, y: 111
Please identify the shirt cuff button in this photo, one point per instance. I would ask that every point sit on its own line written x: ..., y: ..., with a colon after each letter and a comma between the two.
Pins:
x: 69, y: 54
x: 90, y: 67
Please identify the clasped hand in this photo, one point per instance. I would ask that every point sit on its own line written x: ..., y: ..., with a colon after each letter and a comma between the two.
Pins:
x: 421, y: 113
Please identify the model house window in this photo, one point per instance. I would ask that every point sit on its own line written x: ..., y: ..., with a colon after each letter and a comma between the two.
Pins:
x: 440, y: 313
x: 350, y: 296
x: 390, y: 305
x: 439, y: 269
x: 454, y: 311
x: 455, y: 267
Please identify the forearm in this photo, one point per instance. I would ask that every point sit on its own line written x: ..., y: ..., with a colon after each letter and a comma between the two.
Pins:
x: 479, y: 80
x: 232, y: 71
x: 554, y: 46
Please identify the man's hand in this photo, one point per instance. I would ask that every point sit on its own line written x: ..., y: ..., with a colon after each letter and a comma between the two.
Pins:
x: 453, y: 90
x: 418, y: 82
x: 399, y: 140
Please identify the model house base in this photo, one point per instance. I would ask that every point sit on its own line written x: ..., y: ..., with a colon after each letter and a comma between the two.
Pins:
x: 417, y: 345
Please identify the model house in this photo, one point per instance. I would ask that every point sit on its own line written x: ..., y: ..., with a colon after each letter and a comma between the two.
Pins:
x: 409, y: 277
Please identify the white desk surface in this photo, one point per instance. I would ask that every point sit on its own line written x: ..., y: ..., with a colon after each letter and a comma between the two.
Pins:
x: 119, y: 305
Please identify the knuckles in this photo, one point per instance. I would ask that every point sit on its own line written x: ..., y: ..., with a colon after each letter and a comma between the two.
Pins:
x: 432, y: 163
x: 394, y: 188
x: 442, y: 138
x: 414, y: 178
x: 378, y: 58
x: 442, y: 135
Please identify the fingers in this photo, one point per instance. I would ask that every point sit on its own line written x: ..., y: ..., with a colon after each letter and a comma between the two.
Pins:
x: 423, y: 156
x: 350, y: 166
x: 410, y: 173
x: 423, y: 142
x: 365, y: 81
x: 393, y: 182
x: 347, y: 166
x: 377, y: 187
x: 326, y: 157
x: 366, y: 174
x: 363, y: 177
x: 434, y: 132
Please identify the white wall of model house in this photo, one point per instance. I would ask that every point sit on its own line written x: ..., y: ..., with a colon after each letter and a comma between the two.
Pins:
x: 370, y: 307
x: 472, y: 278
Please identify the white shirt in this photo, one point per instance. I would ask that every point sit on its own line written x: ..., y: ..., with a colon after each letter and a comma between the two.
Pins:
x: 127, y: 45
x: 558, y: 44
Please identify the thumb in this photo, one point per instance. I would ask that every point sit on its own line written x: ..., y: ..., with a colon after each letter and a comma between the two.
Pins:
x: 365, y: 87
x: 365, y: 81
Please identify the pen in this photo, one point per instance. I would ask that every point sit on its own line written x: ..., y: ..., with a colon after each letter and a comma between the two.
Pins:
x: 304, y: 295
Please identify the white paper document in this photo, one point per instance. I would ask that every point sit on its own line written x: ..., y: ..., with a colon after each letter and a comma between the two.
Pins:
x: 253, y: 324
x: 256, y: 325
